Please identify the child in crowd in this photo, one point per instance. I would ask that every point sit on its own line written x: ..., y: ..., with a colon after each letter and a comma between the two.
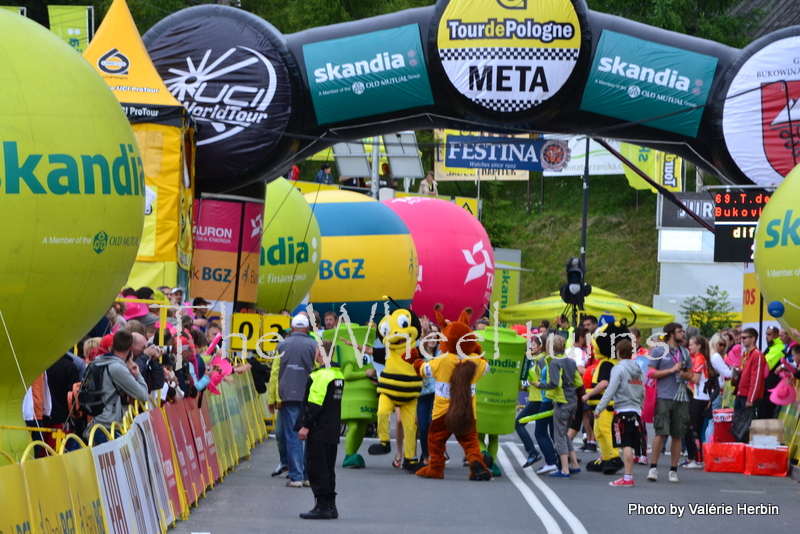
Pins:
x: 626, y: 388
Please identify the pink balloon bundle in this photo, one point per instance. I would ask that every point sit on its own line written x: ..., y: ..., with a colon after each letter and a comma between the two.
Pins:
x: 222, y: 368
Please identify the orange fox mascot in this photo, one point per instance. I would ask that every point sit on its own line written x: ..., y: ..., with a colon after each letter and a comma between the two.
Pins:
x: 454, y: 402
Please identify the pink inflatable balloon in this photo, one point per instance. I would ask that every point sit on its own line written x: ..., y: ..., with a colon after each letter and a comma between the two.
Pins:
x: 456, y: 261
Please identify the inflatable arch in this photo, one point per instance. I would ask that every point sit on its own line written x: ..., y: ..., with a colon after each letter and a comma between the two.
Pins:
x: 268, y: 100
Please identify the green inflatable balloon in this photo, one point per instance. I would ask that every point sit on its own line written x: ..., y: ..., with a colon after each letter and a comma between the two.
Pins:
x: 290, y: 248
x: 496, y: 392
x: 777, y: 252
x: 72, y: 199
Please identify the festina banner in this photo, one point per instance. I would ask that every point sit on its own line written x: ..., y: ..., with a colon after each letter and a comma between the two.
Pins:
x: 471, y: 152
x: 445, y: 173
x: 73, y: 24
x: 660, y: 86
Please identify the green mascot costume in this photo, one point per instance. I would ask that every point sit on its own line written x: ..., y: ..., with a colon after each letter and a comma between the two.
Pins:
x: 496, y: 393
x: 359, y: 399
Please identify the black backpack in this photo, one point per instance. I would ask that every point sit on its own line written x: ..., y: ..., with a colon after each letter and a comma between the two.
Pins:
x: 90, y: 394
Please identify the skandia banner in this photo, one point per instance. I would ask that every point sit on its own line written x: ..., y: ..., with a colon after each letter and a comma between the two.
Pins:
x: 760, y: 107
x: 370, y: 74
x: 659, y: 85
x: 509, y: 56
x: 494, y: 153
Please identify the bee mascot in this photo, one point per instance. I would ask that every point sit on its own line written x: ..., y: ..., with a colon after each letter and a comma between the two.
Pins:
x: 398, y: 384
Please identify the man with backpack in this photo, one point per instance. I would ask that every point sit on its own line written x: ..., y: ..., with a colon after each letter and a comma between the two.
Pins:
x: 110, y: 380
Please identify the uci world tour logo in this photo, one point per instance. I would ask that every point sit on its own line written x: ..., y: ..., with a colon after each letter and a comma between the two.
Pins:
x: 208, y: 91
x: 114, y: 62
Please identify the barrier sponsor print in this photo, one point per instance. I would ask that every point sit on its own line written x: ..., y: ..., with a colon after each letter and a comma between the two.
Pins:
x: 87, y: 504
x: 16, y: 516
x: 168, y: 462
x: 116, y: 494
x: 155, y: 471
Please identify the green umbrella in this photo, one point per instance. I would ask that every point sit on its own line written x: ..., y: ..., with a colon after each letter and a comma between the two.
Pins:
x: 600, y: 302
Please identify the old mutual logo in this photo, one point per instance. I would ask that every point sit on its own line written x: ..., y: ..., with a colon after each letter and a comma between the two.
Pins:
x: 638, y: 80
x: 367, y: 74
x: 100, y: 242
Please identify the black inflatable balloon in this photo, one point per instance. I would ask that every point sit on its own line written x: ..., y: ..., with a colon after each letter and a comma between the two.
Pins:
x: 233, y: 73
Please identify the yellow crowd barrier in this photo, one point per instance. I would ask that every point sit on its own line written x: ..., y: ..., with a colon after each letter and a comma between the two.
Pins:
x: 136, y: 483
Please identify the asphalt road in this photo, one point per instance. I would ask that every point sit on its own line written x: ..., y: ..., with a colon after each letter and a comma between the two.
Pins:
x: 381, y: 498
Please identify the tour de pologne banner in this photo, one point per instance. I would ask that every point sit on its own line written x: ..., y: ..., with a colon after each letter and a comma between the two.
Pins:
x: 71, y: 23
x: 637, y: 80
x: 665, y: 169
x: 369, y: 74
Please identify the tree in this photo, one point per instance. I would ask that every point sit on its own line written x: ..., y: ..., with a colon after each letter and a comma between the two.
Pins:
x: 707, y: 19
x: 710, y: 313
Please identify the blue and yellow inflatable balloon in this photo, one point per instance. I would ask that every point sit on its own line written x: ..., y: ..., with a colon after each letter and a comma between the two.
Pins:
x: 72, y: 199
x: 367, y: 252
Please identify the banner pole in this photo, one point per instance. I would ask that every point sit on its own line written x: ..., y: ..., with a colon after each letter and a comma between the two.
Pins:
x: 585, y: 220
x: 376, y: 161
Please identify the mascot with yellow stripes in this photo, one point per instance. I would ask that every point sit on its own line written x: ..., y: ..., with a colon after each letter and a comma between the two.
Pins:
x: 398, y: 384
x: 456, y: 372
x: 605, y: 338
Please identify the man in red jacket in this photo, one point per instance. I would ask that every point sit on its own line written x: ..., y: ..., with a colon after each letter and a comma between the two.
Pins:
x: 752, y: 372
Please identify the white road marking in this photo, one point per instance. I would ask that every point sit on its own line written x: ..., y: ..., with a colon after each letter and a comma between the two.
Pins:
x: 574, y: 523
x: 538, y: 508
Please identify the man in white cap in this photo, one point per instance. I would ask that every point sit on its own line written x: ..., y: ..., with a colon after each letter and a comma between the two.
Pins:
x: 176, y: 296
x: 297, y: 361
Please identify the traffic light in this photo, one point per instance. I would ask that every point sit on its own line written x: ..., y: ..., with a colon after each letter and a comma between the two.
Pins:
x: 576, y: 289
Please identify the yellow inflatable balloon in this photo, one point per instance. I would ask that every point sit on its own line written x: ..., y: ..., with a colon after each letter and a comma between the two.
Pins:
x: 777, y: 252
x: 290, y: 248
x: 72, y: 199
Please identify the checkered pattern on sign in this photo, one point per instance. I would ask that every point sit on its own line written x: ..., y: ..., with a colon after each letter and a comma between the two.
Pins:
x: 506, y: 106
x: 550, y: 54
